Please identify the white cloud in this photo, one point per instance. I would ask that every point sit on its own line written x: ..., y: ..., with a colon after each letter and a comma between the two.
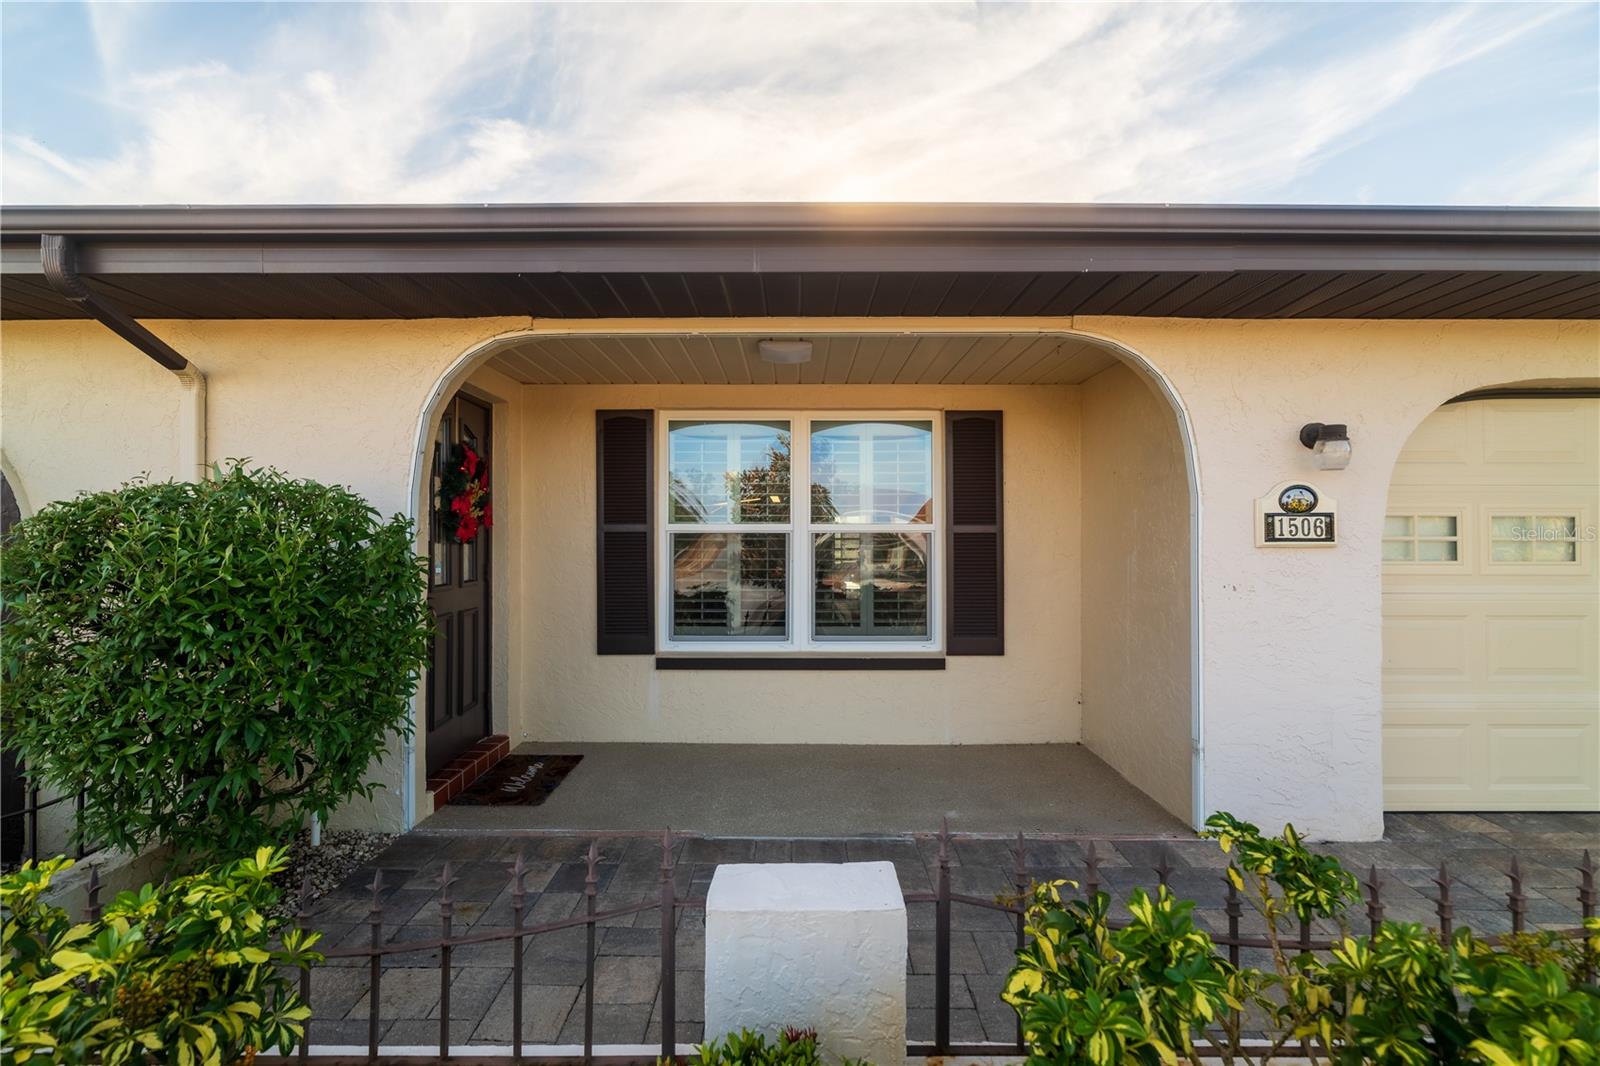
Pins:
x: 1568, y: 173
x: 486, y: 102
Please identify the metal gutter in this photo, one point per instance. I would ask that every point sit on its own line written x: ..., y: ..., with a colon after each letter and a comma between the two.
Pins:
x: 58, y: 255
x: 707, y: 220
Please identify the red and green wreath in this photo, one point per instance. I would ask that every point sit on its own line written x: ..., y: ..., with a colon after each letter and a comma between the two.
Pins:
x: 464, y: 507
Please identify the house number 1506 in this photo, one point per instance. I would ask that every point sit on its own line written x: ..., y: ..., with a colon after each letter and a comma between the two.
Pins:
x: 1301, y: 527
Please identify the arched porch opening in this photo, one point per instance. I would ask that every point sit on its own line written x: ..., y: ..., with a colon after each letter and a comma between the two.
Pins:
x: 1101, y: 534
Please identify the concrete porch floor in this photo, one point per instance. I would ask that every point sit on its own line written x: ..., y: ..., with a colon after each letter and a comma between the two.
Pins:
x: 827, y: 790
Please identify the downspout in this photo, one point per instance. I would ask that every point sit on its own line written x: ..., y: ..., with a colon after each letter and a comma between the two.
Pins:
x: 59, y: 257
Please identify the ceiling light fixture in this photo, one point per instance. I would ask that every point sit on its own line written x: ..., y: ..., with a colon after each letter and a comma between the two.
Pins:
x: 784, y: 353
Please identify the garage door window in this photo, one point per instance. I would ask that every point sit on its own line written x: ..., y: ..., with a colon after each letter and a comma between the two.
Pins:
x: 1533, y: 538
x: 1421, y: 538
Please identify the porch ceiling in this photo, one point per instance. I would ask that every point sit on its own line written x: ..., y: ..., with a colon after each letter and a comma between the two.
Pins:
x: 923, y: 359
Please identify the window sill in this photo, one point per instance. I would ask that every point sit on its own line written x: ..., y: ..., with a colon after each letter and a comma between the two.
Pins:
x: 798, y: 662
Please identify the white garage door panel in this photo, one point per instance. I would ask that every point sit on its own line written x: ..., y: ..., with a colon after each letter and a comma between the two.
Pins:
x: 1492, y: 658
x: 1530, y: 757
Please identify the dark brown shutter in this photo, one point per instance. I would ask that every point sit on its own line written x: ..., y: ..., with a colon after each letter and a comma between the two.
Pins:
x: 975, y: 614
x: 625, y: 613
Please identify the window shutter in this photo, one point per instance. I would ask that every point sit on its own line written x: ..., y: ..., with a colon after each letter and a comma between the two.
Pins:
x: 975, y: 590
x: 625, y: 617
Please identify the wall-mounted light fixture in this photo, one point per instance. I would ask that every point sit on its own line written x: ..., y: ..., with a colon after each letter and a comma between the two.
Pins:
x: 784, y: 353
x: 1329, y: 444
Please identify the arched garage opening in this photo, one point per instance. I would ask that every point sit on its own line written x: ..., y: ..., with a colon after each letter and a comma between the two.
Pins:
x: 1491, y: 605
x: 1095, y: 548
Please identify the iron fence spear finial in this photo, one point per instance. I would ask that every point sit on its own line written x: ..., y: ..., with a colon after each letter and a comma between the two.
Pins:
x: 375, y: 964
x: 447, y: 878
x: 669, y: 965
x: 302, y: 921
x: 519, y: 894
x: 1516, y: 901
x: 1586, y: 892
x: 1374, y: 904
x: 1019, y: 865
x: 93, y: 907
x: 1091, y: 872
x: 1443, y: 905
x: 1163, y: 868
x: 1235, y: 911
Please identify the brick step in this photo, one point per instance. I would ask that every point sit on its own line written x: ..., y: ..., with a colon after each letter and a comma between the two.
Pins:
x: 457, y: 775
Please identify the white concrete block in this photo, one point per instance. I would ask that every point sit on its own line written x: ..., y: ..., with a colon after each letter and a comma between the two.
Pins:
x: 813, y: 945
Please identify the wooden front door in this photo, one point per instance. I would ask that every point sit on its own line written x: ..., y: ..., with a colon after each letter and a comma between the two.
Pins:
x: 458, y: 592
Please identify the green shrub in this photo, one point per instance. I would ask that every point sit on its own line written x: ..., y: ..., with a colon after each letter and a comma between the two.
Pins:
x: 211, y: 661
x: 794, y: 1047
x: 1089, y: 994
x: 1149, y: 992
x: 184, y: 974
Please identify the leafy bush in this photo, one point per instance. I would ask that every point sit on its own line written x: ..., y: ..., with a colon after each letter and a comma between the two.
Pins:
x: 183, y: 974
x: 794, y: 1047
x: 1149, y: 992
x: 212, y: 661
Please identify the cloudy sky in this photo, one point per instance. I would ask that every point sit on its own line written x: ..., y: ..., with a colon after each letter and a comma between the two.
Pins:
x: 1305, y: 103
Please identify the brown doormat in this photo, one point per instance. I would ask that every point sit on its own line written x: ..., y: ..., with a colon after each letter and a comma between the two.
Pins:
x: 518, y: 781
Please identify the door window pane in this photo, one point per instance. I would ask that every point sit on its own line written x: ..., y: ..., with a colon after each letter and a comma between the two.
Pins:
x: 872, y: 472
x: 439, y: 547
x: 728, y: 471
x: 729, y: 585
x: 871, y: 585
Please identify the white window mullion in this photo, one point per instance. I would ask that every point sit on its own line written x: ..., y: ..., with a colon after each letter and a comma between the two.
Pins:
x: 800, y: 560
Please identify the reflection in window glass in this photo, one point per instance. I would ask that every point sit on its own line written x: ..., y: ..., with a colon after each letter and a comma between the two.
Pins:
x: 1436, y: 525
x: 729, y: 584
x: 871, y: 585
x: 1397, y: 525
x: 1397, y: 551
x: 728, y: 471
x: 872, y: 472
x: 1533, y: 538
x: 438, y: 544
x: 1421, y: 538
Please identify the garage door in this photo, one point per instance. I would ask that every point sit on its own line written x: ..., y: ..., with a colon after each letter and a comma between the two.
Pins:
x: 1491, y: 645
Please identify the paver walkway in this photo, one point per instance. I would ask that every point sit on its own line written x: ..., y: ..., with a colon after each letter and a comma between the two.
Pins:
x: 1478, y: 849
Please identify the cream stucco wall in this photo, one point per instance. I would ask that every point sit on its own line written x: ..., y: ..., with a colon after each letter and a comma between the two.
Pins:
x: 1136, y: 706
x: 1290, y: 644
x: 1291, y: 638
x: 335, y: 401
x: 1028, y: 695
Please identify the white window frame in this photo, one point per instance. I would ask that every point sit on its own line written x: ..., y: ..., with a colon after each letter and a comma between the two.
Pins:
x: 801, y: 531
x: 1580, y: 561
x: 1462, y: 524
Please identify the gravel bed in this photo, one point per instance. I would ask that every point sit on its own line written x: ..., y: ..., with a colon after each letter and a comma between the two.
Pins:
x: 343, y: 851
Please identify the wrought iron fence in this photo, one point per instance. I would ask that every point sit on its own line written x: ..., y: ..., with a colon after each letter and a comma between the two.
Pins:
x: 1234, y: 941
x: 669, y: 904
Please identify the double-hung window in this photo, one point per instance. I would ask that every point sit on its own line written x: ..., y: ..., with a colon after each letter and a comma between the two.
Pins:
x: 798, y: 531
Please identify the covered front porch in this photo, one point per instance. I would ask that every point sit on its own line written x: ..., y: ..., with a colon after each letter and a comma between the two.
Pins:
x: 923, y: 572
x: 826, y: 790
